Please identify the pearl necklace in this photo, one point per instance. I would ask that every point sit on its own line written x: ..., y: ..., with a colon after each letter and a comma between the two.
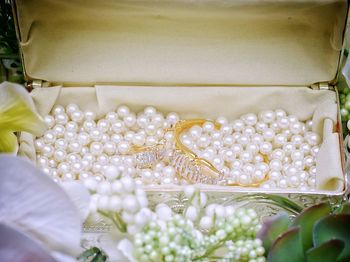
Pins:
x: 78, y: 146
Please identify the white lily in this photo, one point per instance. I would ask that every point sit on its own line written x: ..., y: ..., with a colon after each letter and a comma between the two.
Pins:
x: 17, y: 113
x: 39, y: 210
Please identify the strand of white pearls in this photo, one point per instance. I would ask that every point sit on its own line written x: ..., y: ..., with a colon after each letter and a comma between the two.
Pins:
x: 271, y: 144
x: 77, y: 145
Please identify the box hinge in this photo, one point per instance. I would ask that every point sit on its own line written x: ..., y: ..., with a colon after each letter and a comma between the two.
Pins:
x: 36, y: 83
x: 322, y: 86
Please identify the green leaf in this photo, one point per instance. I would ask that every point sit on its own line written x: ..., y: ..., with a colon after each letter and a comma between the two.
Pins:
x: 307, y: 219
x: 345, y: 208
x: 334, y: 226
x: 272, y: 227
x: 287, y: 247
x: 328, y: 251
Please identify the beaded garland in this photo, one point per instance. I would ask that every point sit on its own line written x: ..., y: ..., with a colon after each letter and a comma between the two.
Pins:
x: 270, y: 145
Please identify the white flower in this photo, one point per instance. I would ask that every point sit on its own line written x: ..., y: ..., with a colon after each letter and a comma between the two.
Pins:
x: 35, y: 206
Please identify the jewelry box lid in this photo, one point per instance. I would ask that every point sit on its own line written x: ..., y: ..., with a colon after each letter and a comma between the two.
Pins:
x: 214, y: 42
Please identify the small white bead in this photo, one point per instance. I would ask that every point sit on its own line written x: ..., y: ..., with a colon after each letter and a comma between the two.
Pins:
x: 60, y: 155
x: 49, y: 121
x: 61, y: 119
x: 96, y: 148
x: 280, y: 113
x: 267, y: 116
x: 123, y: 111
x: 151, y: 141
x: 283, y: 122
x: 77, y: 116
x: 275, y: 175
x: 238, y: 125
x: 312, y: 138
x: 260, y: 126
x: 250, y: 119
x: 297, y: 155
x: 172, y: 118
x: 71, y: 108
x: 89, y: 125
x: 150, y: 111
x: 130, y: 120
x: 89, y: 115
x: 58, y: 110
x: 123, y: 147
x: 265, y: 148
x: 269, y: 134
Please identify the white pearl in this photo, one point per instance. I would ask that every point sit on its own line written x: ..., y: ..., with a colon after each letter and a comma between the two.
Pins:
x: 283, y: 122
x: 49, y: 121
x: 68, y: 176
x: 228, y: 140
x: 63, y: 168
x: 293, y: 181
x: 130, y: 120
x: 61, y: 119
x: 280, y: 113
x: 258, y: 158
x: 76, y: 167
x: 74, y: 147
x: 60, y: 155
x: 248, y: 169
x: 275, y: 127
x: 58, y: 110
x: 258, y: 175
x: 265, y: 148
x: 39, y: 144
x: 89, y: 115
x: 123, y: 111
x: 84, y: 138
x: 123, y: 147
x: 61, y: 144
x: 268, y: 134
x: 150, y: 111
x: 291, y: 171
x: 73, y: 158
x: 103, y: 159
x: 312, y: 170
x: 283, y: 183
x: 77, y: 116
x: 299, y: 164
x: 47, y: 150
x: 297, y: 140
x: 297, y: 155
x: 309, y: 161
x: 237, y: 149
x: 71, y: 108
x: 129, y: 136
x: 257, y: 138
x: 275, y: 175
x: 250, y: 119
x: 248, y: 131
x: 158, y: 120
x: 278, y: 154
x: 118, y: 126
x: 305, y: 147
x: 172, y: 118
x: 96, y: 148
x: 109, y: 148
x: 314, y: 150
x: 238, y: 125
x: 151, y: 141
x: 138, y: 139
x: 244, y: 140
x: 280, y: 140
x: 42, y: 161
x: 264, y: 167
x: 312, y: 138
x: 267, y: 116
x: 275, y: 164
x: 309, y: 125
x: 208, y: 127
x: 168, y: 171
x: 311, y: 182
x: 244, y: 180
x: 296, y: 128
x: 303, y: 176
x: 292, y: 119
x: 260, y: 127
x: 89, y: 125
x: 103, y: 125
x: 246, y: 156
x: 72, y: 126
x: 222, y: 120
x: 95, y: 134
x: 203, y: 141
x: 288, y: 148
x: 150, y: 129
x: 226, y: 129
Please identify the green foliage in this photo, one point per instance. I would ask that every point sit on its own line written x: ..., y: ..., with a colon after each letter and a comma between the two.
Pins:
x: 93, y: 254
x: 316, y: 234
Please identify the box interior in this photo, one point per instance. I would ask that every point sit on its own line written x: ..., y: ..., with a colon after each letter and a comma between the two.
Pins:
x: 233, y: 42
x: 211, y: 102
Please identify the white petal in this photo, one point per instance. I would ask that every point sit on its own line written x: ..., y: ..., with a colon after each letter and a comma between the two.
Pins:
x: 16, y: 246
x: 127, y: 249
x: 80, y: 197
x: 32, y: 202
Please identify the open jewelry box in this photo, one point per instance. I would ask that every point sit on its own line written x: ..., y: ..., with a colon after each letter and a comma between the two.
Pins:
x: 201, y: 59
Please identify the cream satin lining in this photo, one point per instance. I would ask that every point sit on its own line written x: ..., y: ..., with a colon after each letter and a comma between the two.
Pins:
x: 210, y: 102
x: 176, y: 41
